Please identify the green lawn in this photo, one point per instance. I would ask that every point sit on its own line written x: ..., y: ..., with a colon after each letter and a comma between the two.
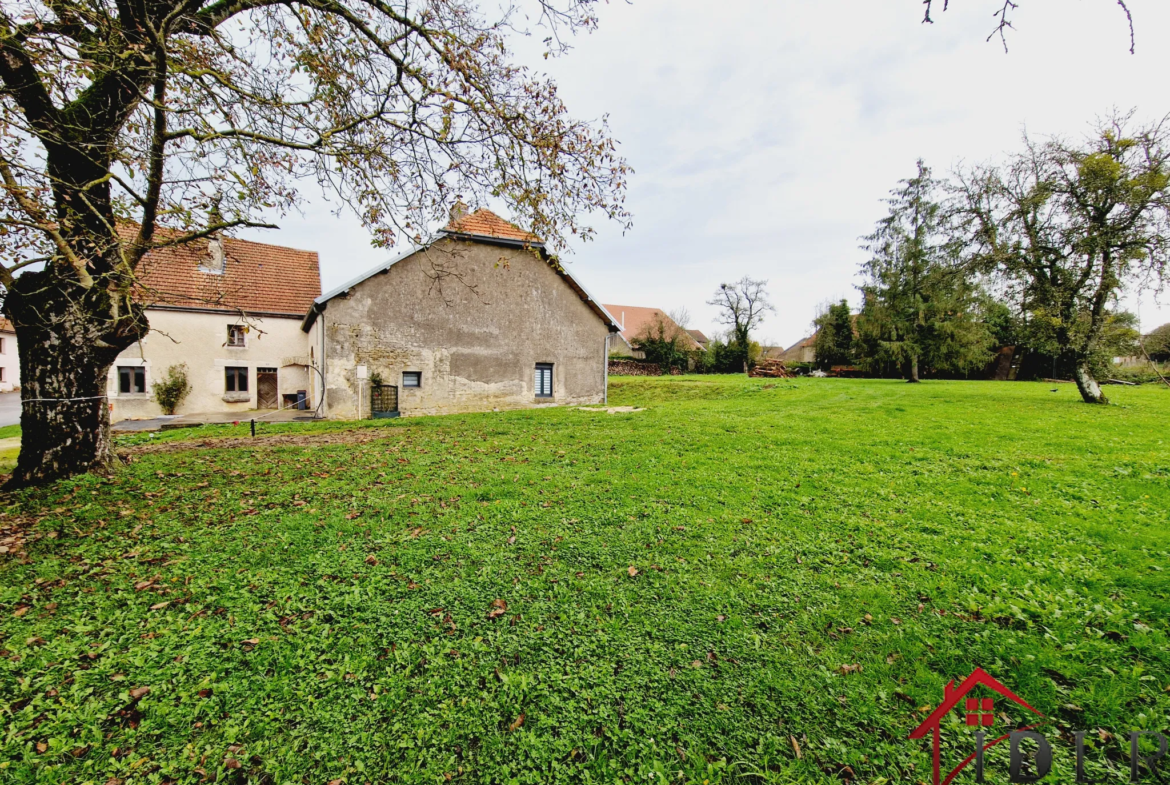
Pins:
x: 689, y: 589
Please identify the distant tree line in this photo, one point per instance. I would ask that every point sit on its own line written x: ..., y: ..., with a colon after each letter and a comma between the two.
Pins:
x: 1032, y: 253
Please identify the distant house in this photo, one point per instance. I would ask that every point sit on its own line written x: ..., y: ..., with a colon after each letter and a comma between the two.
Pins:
x: 700, y: 339
x: 803, y: 351
x: 482, y: 318
x: 231, y: 311
x: 9, y: 360
x: 634, y: 320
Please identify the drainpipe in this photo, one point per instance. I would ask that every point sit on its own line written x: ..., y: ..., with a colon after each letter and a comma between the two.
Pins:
x: 605, y: 369
x: 324, y: 368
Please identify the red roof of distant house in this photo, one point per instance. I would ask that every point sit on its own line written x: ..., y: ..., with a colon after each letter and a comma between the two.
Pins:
x: 257, y: 278
x: 6, y: 326
x: 485, y: 223
x: 698, y: 336
x: 633, y: 319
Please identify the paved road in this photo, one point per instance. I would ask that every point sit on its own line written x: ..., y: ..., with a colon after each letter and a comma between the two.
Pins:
x: 9, y: 409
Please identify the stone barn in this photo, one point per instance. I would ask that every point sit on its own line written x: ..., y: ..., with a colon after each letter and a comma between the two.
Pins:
x: 482, y: 318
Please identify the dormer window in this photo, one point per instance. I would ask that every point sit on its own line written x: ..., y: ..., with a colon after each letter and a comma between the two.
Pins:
x: 216, y: 260
x: 236, y: 335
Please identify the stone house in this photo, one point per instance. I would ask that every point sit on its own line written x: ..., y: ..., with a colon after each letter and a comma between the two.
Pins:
x: 803, y: 351
x: 9, y: 359
x: 231, y: 311
x: 482, y: 318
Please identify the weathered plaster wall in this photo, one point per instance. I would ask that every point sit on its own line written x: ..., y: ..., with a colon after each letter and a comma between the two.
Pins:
x: 475, y: 338
x: 200, y: 341
x: 9, y: 362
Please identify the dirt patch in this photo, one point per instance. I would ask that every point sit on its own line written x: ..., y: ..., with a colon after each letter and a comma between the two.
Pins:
x: 357, y: 436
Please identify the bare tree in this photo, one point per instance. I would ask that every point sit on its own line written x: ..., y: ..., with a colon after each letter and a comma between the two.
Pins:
x: 125, y: 127
x: 1003, y: 18
x: 742, y: 306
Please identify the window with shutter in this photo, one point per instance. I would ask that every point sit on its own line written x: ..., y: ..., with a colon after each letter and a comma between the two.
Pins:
x: 543, y: 382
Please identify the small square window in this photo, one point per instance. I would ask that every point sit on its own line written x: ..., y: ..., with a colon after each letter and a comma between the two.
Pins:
x: 235, y: 380
x: 412, y: 378
x: 544, y: 380
x: 1, y: 373
x: 131, y: 379
x: 236, y: 335
x: 2, y: 345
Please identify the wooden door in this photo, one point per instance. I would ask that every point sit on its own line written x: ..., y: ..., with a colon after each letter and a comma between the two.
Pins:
x: 266, y: 397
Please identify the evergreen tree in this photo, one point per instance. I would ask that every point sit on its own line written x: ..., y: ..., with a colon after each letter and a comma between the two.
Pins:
x: 834, y: 340
x: 920, y: 308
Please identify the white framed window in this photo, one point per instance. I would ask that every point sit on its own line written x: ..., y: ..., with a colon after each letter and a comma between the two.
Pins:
x: 544, y: 380
x: 412, y: 378
x: 237, y: 335
x: 131, y: 379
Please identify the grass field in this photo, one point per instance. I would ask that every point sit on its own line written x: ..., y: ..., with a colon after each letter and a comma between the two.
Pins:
x: 686, y: 593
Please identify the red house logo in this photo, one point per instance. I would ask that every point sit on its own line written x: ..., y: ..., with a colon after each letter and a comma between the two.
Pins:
x: 979, y: 713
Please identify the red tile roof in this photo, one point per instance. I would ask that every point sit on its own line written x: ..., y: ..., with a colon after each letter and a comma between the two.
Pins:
x: 485, y: 223
x: 6, y: 326
x: 634, y: 318
x: 257, y: 278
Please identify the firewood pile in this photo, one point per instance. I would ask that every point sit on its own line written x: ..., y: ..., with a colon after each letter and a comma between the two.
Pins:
x: 771, y: 369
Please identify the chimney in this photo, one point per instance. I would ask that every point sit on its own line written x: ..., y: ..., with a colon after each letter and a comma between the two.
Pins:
x: 458, y: 210
x: 216, y: 260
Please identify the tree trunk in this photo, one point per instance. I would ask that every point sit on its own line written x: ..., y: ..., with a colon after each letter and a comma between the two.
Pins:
x: 67, y: 345
x: 1087, y: 384
x: 913, y: 370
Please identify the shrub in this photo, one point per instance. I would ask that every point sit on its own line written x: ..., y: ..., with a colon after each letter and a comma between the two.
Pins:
x: 172, y: 389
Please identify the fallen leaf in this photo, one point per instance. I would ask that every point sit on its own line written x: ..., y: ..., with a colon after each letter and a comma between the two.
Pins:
x: 746, y: 520
x: 632, y: 571
x: 512, y: 540
x: 138, y: 693
x: 23, y: 609
x: 231, y: 763
x: 372, y: 560
x: 867, y: 619
x: 795, y: 747
x: 42, y: 747
x: 143, y: 585
x: 904, y: 697
x: 205, y: 693
x: 721, y: 617
x: 516, y: 723
x: 158, y: 606
x: 896, y: 620
x: 499, y: 607
x: 847, y: 669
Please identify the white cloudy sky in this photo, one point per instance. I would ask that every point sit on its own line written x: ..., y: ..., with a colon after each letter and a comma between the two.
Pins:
x: 765, y: 133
